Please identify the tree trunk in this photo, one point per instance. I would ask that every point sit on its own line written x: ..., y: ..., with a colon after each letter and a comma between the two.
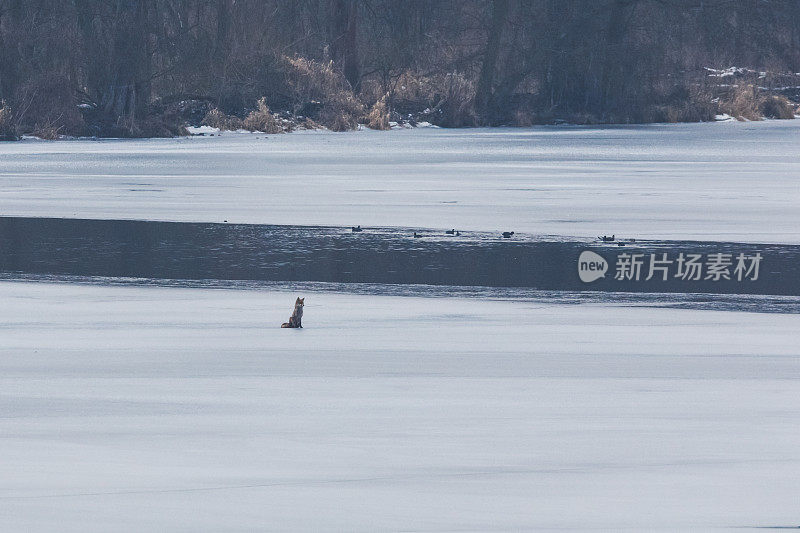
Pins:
x: 5, y: 75
x: 351, y: 67
x: 221, y: 49
x: 342, y: 36
x: 118, y: 72
x: 9, y: 55
x: 485, y: 88
x: 128, y: 91
x: 613, y: 68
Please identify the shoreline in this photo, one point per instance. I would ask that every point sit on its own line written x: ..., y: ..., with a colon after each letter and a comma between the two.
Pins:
x: 207, y: 131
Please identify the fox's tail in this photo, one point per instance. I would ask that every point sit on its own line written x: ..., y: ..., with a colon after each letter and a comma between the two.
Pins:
x: 286, y: 325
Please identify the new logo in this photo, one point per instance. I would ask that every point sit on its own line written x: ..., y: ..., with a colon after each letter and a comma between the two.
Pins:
x: 591, y: 266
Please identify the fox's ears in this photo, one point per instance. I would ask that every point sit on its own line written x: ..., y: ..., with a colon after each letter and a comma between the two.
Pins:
x: 300, y: 300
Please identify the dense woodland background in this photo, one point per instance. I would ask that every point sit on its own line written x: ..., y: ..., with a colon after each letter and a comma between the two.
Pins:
x: 148, y: 67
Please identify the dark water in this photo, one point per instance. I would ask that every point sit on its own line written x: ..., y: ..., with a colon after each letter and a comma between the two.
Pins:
x: 264, y: 253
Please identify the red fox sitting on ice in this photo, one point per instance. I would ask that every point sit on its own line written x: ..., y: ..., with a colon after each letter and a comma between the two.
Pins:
x: 295, y: 321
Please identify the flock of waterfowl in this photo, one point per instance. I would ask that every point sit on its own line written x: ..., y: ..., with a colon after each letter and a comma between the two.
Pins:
x: 509, y: 234
x: 453, y: 232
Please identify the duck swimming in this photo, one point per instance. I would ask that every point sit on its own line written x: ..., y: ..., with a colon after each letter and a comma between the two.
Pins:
x: 356, y: 229
x: 507, y: 234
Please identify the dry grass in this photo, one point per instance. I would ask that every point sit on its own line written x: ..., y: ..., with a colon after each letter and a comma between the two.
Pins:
x: 774, y: 106
x: 8, y: 130
x: 521, y: 118
x: 261, y: 119
x: 217, y: 119
x: 748, y: 102
x: 742, y: 102
x: 688, y: 111
x: 44, y: 105
x: 148, y: 127
x: 682, y: 103
x: 306, y: 123
x: 414, y: 88
x: 408, y: 92
x: 48, y: 131
x: 312, y: 81
x: 338, y: 120
x: 378, y: 117
x: 455, y: 109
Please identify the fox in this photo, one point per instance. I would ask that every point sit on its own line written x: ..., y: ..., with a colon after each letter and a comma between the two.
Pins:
x: 295, y: 321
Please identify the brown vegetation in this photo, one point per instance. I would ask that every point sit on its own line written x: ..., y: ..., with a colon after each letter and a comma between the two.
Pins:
x: 748, y: 102
x: 217, y: 119
x: 742, y: 102
x: 8, y: 131
x: 47, y: 131
x: 378, y: 118
x: 773, y: 106
x: 333, y: 103
x: 261, y: 119
x: 335, y: 63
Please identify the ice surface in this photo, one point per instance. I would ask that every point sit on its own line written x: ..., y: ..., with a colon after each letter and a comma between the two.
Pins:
x: 729, y: 181
x: 173, y: 409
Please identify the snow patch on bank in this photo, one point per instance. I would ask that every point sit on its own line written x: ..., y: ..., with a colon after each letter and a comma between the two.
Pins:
x: 202, y: 130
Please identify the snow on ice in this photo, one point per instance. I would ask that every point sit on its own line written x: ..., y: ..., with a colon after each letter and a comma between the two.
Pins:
x: 175, y: 409
x: 731, y: 182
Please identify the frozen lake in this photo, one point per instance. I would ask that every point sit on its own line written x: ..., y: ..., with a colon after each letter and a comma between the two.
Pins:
x: 177, y: 409
x: 714, y: 181
x: 441, y: 383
